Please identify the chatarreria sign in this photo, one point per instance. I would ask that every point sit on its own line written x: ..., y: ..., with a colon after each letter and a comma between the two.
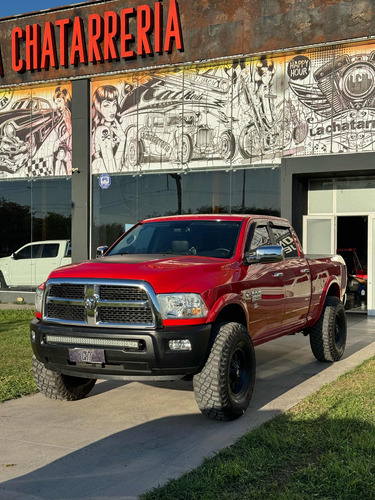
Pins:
x: 100, y: 39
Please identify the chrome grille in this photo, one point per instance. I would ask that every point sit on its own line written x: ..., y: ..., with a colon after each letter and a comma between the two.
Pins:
x: 101, y: 303
x: 122, y: 315
x: 68, y: 291
x: 65, y: 311
x: 108, y: 292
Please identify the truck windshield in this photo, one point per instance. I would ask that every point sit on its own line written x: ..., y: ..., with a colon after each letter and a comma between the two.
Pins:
x: 209, y: 238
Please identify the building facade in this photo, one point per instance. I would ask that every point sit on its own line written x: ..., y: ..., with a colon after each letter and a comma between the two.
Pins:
x: 111, y: 112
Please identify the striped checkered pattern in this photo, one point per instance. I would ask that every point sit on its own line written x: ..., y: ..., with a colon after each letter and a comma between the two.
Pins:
x: 41, y: 167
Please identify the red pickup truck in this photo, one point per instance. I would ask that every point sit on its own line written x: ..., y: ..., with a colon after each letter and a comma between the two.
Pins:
x: 186, y: 297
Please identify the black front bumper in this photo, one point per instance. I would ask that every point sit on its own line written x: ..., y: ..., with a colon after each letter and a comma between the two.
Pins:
x: 155, y: 360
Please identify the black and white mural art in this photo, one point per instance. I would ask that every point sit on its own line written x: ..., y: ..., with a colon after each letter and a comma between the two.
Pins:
x: 235, y: 113
x: 231, y: 114
x: 35, y: 132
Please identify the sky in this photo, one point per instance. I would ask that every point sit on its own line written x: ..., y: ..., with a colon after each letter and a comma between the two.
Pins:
x: 11, y: 8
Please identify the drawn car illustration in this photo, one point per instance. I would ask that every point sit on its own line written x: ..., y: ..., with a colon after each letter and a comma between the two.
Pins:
x: 178, y: 136
x: 23, y: 128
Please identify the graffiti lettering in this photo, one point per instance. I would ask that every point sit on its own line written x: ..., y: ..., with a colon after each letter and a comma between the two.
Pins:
x: 159, y: 92
x: 337, y: 127
x: 156, y: 140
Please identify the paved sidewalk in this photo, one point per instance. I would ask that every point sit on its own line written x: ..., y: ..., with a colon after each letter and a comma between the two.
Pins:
x: 126, y: 438
x: 17, y: 306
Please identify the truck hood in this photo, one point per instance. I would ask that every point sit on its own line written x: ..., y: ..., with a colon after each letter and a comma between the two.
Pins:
x: 166, y: 274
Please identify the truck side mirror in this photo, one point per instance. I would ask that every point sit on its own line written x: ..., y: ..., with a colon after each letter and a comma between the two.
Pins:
x: 14, y: 256
x: 262, y: 255
x: 100, y: 251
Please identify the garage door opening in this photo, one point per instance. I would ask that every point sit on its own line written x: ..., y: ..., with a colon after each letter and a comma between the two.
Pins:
x: 352, y: 244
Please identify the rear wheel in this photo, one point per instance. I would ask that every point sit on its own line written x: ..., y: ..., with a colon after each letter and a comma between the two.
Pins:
x: 58, y: 386
x: 328, y: 336
x: 3, y: 284
x: 224, y: 387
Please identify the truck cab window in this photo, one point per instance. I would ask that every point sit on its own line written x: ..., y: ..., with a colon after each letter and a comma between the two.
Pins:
x: 28, y: 252
x: 50, y: 250
x: 283, y: 237
x: 257, y: 237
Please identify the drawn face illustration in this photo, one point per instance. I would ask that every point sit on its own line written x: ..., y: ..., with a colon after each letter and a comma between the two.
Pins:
x: 60, y: 103
x: 108, y: 110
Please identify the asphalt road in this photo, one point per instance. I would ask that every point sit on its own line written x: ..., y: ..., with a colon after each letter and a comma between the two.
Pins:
x: 128, y: 437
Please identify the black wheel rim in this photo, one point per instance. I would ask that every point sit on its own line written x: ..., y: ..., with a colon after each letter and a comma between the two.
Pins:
x: 339, y: 331
x: 239, y: 373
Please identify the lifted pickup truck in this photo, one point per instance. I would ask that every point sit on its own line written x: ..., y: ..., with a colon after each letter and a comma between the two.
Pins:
x: 186, y: 297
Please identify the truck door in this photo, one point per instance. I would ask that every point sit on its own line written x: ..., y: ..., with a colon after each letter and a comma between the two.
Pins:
x: 296, y: 277
x: 22, y: 265
x: 263, y: 287
x: 47, y: 261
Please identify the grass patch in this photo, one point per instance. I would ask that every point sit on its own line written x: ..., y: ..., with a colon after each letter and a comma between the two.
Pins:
x: 15, y: 354
x: 323, y: 448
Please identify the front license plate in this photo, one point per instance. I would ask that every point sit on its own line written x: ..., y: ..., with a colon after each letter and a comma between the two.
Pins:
x: 87, y: 355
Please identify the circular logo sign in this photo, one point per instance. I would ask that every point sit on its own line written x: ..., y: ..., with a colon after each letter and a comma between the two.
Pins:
x: 299, y: 67
x: 358, y: 81
x: 104, y: 181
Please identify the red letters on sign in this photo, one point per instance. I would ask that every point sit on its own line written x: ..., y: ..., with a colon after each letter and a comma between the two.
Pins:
x: 63, y: 25
x: 143, y: 37
x: 18, y: 64
x: 49, y: 54
x: 32, y: 47
x: 145, y: 23
x: 126, y: 37
x: 158, y: 27
x: 95, y: 37
x: 173, y: 29
x: 78, y: 48
x: 111, y: 31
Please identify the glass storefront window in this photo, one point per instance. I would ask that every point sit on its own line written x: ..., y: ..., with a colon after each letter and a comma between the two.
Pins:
x: 33, y: 211
x: 132, y: 198
x: 321, y: 196
x: 355, y: 195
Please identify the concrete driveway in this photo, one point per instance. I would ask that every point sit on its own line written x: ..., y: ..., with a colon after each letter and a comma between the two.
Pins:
x: 126, y: 438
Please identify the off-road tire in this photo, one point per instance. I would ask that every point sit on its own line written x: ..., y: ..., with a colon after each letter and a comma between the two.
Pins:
x: 3, y: 284
x: 58, y: 386
x: 328, y: 335
x: 223, y: 388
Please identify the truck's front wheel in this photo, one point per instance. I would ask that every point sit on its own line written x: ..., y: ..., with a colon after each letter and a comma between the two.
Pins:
x: 223, y: 388
x: 328, y: 335
x: 58, y: 386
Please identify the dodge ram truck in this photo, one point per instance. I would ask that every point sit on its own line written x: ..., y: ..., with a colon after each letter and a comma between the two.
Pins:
x: 186, y: 297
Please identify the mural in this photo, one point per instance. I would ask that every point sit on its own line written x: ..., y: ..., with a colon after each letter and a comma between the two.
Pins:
x: 224, y: 115
x: 235, y: 113
x: 35, y: 132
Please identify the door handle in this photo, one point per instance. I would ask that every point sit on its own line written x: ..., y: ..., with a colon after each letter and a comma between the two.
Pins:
x: 277, y: 275
x: 305, y: 270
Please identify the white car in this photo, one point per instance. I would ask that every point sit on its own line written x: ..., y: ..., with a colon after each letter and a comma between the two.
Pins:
x: 32, y: 263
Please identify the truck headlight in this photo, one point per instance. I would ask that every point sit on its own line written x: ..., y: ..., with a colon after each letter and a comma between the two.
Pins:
x: 39, y: 292
x: 182, y: 305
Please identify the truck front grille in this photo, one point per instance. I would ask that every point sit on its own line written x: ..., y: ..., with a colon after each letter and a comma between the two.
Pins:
x: 108, y: 303
x: 68, y: 312
x: 129, y: 315
x: 68, y: 291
